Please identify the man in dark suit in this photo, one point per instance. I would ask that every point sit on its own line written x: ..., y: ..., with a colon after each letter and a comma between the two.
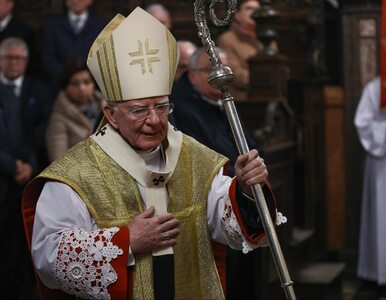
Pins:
x: 24, y: 108
x: 33, y: 95
x: 69, y: 36
x: 198, y: 112
x: 22, y: 118
x: 17, y: 165
x: 10, y: 26
x: 198, y: 109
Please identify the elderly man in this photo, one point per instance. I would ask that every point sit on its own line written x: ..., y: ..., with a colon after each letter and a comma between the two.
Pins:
x: 33, y: 95
x: 133, y: 210
x: 199, y: 113
x: 23, y: 116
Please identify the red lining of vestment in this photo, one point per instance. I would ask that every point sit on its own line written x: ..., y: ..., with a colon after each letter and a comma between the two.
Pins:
x: 236, y: 211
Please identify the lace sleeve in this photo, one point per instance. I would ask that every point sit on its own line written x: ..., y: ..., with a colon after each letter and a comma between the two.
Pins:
x: 232, y: 229
x: 83, y: 261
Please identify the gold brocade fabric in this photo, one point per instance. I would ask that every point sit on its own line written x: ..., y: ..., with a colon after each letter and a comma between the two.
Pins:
x: 113, y: 199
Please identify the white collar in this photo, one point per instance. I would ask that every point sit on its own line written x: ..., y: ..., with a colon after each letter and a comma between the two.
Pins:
x: 5, y: 22
x: 18, y: 82
x: 217, y: 103
x: 132, y: 162
x: 82, y: 17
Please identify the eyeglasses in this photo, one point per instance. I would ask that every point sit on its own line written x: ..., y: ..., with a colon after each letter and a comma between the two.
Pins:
x: 141, y: 112
x: 15, y: 58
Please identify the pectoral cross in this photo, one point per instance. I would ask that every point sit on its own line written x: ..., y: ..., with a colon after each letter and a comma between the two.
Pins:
x: 156, y: 181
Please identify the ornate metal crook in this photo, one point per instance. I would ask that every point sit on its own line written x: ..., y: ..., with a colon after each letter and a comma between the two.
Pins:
x: 220, y: 77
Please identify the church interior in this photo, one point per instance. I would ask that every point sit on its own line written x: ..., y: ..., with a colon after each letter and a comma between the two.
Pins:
x: 300, y: 111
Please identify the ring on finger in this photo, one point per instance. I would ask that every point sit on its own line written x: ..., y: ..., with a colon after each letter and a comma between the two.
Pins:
x: 165, y: 236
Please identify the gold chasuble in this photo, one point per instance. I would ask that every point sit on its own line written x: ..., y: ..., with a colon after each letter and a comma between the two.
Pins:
x: 113, y: 199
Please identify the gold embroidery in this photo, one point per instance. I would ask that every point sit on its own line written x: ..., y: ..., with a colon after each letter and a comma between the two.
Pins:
x: 116, y: 81
x: 172, y: 52
x: 113, y: 199
x: 109, y: 70
x: 148, y: 52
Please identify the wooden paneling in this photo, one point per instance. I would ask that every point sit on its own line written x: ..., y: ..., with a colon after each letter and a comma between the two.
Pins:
x: 354, y: 41
x: 335, y: 168
x: 306, y: 99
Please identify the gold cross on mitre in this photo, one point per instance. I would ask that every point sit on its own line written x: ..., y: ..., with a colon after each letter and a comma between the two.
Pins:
x: 148, y: 52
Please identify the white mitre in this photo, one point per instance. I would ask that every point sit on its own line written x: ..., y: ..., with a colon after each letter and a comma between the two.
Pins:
x: 133, y: 58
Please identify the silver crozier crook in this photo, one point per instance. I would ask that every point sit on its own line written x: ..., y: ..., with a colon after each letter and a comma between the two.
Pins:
x: 220, y: 77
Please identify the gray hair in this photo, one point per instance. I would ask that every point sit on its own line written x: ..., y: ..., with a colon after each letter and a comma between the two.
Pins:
x: 13, y: 42
x: 157, y: 7
x: 195, y: 58
x: 187, y: 43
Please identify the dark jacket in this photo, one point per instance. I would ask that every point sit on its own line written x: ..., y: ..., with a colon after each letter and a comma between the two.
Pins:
x: 22, y: 126
x: 38, y: 101
x: 20, y: 120
x: 203, y: 121
x: 62, y: 44
x: 17, y: 28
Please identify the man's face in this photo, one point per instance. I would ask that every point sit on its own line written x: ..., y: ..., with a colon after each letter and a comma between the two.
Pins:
x: 78, y: 6
x: 13, y: 62
x: 81, y: 87
x: 6, y: 7
x: 144, y: 133
x: 199, y: 77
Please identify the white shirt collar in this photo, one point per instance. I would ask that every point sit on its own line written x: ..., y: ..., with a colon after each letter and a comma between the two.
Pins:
x: 18, y: 82
x: 217, y: 103
x: 5, y: 22
x: 82, y: 18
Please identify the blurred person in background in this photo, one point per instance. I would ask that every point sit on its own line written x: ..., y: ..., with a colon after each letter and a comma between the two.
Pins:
x: 30, y: 91
x: 69, y: 36
x: 22, y: 122
x: 75, y: 111
x: 187, y: 48
x: 161, y: 13
x: 199, y: 112
x: 241, y: 43
x: 370, y: 123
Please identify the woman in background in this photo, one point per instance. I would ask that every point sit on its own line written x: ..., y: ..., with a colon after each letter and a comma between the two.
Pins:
x: 75, y: 111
